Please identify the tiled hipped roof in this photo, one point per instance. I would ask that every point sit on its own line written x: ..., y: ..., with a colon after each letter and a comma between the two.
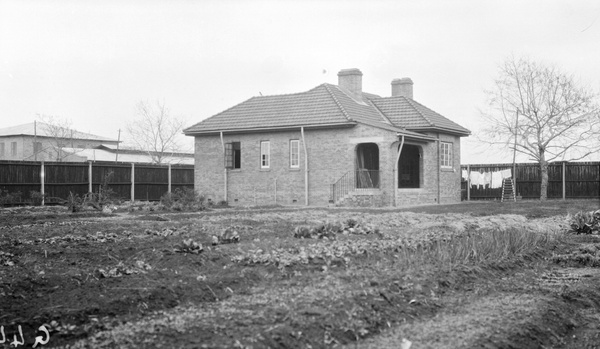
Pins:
x: 326, y: 105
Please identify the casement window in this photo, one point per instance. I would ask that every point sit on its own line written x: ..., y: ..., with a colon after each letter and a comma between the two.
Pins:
x: 446, y: 155
x: 233, y: 155
x: 294, y: 153
x: 1, y: 149
x: 265, y: 154
x: 13, y: 148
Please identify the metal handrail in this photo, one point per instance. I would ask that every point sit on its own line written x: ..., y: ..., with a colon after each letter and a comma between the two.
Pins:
x: 354, y: 180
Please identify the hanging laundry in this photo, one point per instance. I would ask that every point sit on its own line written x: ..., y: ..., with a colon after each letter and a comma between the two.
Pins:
x: 487, y: 179
x: 496, y: 180
x: 465, y: 175
x: 506, y: 173
x: 477, y: 179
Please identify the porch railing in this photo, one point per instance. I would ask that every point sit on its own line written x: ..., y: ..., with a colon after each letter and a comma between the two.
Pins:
x: 354, y: 180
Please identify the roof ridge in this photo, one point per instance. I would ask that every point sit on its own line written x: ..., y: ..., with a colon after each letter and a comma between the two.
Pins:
x: 385, y: 118
x: 411, y: 101
x: 336, y: 100
x: 288, y: 94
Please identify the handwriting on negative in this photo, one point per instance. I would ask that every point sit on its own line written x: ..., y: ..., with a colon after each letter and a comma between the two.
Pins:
x: 16, y: 342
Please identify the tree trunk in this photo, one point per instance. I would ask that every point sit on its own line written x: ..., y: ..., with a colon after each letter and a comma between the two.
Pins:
x: 544, y: 174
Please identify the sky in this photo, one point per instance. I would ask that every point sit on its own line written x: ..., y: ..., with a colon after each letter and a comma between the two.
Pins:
x: 91, y: 62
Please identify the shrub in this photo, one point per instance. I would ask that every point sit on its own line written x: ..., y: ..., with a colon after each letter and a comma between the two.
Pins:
x: 7, y: 198
x: 36, y: 197
x: 183, y: 200
x: 74, y: 202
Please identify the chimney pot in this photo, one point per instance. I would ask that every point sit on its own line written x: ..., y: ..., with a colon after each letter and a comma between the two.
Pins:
x: 402, y: 87
x: 350, y: 80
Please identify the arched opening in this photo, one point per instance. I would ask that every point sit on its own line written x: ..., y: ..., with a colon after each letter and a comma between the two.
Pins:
x: 367, y: 165
x: 409, y: 167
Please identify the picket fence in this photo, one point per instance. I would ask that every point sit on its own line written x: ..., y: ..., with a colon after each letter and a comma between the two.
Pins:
x: 566, y: 180
x: 129, y: 181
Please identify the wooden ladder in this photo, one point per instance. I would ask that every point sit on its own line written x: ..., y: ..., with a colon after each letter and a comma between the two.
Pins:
x: 508, y: 190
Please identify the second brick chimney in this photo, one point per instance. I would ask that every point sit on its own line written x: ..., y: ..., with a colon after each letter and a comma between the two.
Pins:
x: 402, y: 87
x: 350, y: 80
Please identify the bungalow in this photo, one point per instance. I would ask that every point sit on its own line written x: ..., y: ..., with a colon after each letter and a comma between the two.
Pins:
x: 329, y: 145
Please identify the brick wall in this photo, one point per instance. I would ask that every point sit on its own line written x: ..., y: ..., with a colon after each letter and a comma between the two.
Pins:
x: 449, y: 179
x: 331, y: 154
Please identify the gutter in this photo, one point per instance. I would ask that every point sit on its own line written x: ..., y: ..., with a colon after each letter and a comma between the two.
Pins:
x: 224, y: 169
x: 305, y: 167
x: 277, y: 128
x: 439, y: 168
x: 395, y: 169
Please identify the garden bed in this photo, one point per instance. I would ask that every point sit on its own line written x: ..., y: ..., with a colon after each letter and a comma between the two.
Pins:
x: 459, y: 276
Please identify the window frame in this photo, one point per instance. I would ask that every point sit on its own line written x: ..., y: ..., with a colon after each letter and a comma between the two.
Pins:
x: 297, y: 155
x: 265, y: 154
x: 446, y: 154
x: 232, y: 153
x: 13, y: 149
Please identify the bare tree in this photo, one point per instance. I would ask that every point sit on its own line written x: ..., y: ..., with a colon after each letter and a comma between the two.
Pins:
x: 543, y: 113
x: 58, y: 134
x: 155, y: 131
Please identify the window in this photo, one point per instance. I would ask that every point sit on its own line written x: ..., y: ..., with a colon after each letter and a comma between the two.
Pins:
x: 265, y: 154
x: 295, y: 153
x: 233, y: 155
x: 1, y: 149
x: 446, y: 154
x: 13, y: 148
x: 37, y: 147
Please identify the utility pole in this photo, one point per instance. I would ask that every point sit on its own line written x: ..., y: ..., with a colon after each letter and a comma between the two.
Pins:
x: 35, y: 150
x: 118, y: 141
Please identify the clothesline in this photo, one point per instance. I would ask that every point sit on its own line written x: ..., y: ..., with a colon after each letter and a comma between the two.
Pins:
x: 492, y: 179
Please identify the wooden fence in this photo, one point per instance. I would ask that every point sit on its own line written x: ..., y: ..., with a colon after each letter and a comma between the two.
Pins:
x: 128, y: 181
x: 566, y: 180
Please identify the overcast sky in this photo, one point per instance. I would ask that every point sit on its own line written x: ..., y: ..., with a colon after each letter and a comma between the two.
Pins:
x: 91, y: 61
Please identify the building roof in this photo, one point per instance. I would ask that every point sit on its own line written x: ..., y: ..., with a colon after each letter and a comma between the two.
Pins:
x: 104, y: 154
x: 45, y: 130
x: 408, y: 113
x: 324, y: 106
x: 128, y: 150
x: 314, y: 107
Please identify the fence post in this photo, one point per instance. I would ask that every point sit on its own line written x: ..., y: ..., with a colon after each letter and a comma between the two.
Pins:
x: 90, y: 189
x: 132, y: 182
x: 169, y: 176
x: 42, y: 180
x: 564, y: 182
x: 468, y: 182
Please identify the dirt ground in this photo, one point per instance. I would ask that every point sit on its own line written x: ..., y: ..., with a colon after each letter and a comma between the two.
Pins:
x: 141, y: 280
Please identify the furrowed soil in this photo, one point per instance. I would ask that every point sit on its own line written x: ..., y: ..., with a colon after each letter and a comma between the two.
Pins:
x: 425, y: 277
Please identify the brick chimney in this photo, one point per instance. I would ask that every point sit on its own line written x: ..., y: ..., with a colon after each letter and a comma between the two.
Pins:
x: 402, y: 87
x: 350, y: 80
